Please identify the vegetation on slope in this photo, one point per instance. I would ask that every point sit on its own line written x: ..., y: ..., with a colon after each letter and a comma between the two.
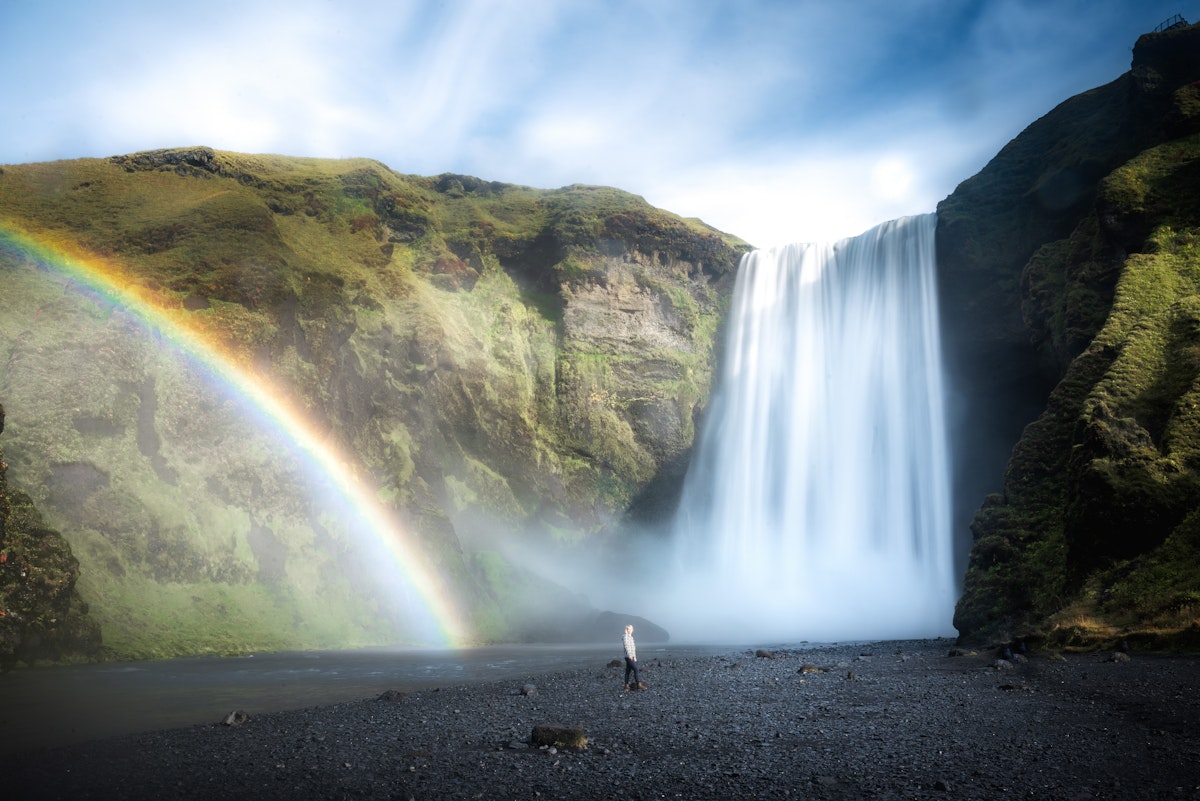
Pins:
x: 513, y: 367
x: 1094, y: 538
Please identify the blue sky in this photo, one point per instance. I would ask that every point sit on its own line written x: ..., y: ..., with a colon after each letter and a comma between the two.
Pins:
x: 776, y: 121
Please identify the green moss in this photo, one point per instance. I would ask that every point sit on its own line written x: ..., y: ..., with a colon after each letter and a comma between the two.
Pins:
x: 415, y: 322
x: 41, y: 614
x: 1094, y: 538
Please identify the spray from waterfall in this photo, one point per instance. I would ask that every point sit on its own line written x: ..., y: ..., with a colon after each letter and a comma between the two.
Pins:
x: 817, y: 504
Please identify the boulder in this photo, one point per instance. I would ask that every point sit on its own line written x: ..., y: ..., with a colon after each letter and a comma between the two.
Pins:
x: 237, y: 717
x: 556, y: 735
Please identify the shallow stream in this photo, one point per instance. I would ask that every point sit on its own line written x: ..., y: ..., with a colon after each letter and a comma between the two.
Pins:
x: 61, y: 705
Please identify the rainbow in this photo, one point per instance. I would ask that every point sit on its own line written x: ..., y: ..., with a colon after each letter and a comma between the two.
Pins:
x: 442, y: 618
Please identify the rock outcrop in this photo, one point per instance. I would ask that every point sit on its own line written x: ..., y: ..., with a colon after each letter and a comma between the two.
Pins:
x: 1068, y: 272
x: 41, y: 614
x: 517, y: 371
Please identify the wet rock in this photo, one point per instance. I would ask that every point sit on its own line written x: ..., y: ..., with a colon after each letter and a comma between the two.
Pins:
x: 237, y: 717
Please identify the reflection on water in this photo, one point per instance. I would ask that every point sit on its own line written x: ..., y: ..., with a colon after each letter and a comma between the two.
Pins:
x: 61, y: 705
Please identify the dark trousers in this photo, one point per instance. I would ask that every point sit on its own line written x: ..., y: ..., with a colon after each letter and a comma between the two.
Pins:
x: 631, y: 667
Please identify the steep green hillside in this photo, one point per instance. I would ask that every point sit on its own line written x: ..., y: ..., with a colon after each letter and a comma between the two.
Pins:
x: 1094, y: 537
x: 514, y: 368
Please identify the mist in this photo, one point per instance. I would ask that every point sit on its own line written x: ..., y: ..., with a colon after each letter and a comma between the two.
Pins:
x: 816, y: 506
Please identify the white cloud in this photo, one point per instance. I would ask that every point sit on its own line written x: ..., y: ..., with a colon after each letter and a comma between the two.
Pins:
x: 770, y: 120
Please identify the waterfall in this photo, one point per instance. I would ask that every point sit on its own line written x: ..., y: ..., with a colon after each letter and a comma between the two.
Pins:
x: 817, y: 504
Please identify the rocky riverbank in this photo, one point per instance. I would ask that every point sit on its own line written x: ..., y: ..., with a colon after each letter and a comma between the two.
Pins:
x: 883, y: 720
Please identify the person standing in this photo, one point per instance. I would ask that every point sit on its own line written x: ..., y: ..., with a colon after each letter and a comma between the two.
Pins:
x: 631, y: 665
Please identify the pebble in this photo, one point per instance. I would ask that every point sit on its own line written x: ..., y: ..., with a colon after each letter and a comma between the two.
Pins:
x: 907, y: 728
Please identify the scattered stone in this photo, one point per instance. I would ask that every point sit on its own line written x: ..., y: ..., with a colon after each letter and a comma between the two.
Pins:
x: 1002, y: 664
x: 851, y: 676
x: 703, y: 734
x: 961, y: 652
x: 763, y: 653
x: 1118, y: 656
x: 809, y: 667
x: 236, y: 718
x: 393, y: 695
x: 529, y: 689
x: 559, y: 736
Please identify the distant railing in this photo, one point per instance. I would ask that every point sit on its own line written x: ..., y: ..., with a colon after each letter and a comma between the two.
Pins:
x: 1176, y: 21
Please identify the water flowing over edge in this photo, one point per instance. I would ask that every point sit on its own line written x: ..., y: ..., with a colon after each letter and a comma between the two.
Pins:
x: 817, y: 502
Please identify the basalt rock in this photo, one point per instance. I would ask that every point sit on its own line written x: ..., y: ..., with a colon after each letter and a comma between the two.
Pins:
x: 556, y: 735
x: 1068, y: 277
x: 41, y: 614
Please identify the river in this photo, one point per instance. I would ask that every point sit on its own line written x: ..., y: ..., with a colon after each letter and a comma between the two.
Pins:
x: 59, y: 705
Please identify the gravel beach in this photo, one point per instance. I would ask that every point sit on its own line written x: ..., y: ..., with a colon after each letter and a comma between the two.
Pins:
x: 883, y: 720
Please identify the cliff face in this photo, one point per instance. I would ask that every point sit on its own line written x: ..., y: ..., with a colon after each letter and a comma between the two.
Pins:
x: 1068, y: 270
x: 41, y: 613
x: 513, y: 366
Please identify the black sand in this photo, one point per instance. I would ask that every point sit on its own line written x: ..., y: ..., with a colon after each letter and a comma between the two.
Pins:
x: 888, y: 720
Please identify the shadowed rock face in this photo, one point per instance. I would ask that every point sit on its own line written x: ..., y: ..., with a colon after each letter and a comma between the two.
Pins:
x: 1081, y: 226
x: 517, y: 369
x: 41, y: 614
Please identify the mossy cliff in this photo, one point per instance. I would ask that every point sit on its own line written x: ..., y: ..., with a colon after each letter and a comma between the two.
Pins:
x: 41, y: 614
x: 1069, y: 271
x: 514, y: 367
